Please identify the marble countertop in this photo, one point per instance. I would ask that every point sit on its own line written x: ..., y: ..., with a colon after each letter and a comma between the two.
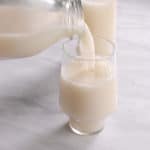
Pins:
x: 30, y: 118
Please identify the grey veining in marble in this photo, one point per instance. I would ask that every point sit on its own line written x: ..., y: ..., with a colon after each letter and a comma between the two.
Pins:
x: 30, y: 118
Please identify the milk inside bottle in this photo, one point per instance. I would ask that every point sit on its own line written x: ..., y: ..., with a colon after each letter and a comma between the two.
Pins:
x: 25, y: 31
x: 28, y: 27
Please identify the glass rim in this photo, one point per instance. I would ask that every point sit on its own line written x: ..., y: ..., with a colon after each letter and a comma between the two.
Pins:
x: 81, y: 58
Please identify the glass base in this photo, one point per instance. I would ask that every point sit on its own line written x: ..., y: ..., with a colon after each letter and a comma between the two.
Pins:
x: 86, y: 129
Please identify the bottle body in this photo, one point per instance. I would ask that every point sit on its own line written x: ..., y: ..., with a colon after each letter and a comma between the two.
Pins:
x: 28, y: 27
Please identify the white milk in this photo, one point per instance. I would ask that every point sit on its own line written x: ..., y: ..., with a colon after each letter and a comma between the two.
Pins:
x: 26, y: 31
x: 86, y: 46
x: 88, y: 96
x: 100, y: 16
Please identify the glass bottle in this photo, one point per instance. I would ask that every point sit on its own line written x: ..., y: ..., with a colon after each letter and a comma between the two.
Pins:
x: 30, y: 26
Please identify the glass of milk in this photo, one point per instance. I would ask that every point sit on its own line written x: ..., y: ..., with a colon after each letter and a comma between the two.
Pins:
x: 88, y: 87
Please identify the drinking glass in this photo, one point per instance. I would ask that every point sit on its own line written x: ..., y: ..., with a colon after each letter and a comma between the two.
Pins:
x: 88, y: 86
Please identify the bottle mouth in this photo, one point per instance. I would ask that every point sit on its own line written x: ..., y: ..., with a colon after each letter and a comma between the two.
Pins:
x: 75, y: 16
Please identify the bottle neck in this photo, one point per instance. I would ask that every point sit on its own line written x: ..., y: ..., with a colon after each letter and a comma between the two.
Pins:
x: 74, y: 16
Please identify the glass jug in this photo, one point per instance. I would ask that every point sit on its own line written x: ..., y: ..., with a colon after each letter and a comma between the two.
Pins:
x: 30, y: 26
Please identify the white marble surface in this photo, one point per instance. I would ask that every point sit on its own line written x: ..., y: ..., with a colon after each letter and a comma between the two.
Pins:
x: 31, y: 120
